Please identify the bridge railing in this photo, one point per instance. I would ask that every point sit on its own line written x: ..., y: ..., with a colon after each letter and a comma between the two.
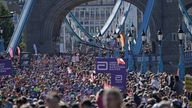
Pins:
x: 111, y: 17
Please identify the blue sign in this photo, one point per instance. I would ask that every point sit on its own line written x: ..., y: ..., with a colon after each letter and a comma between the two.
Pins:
x: 117, y: 71
x: 5, y: 67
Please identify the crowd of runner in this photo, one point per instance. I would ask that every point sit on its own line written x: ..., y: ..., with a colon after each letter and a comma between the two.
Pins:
x: 59, y: 82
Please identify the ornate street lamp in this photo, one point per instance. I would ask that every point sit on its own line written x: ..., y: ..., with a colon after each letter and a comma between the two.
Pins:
x: 130, y: 53
x: 115, y: 35
x: 100, y: 36
x: 133, y: 29
x: 143, y: 37
x: 160, y: 38
x: 116, y: 49
x: 99, y: 39
x: 181, y: 36
x: 108, y: 38
x: 130, y: 37
x: 118, y: 38
x: 143, y: 63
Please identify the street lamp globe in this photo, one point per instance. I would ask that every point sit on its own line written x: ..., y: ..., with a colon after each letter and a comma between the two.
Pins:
x: 130, y: 37
x: 108, y: 38
x: 115, y: 35
x: 100, y: 36
x: 132, y: 27
x: 181, y: 34
x: 143, y: 37
x: 118, y: 38
x: 159, y: 35
x: 1, y: 31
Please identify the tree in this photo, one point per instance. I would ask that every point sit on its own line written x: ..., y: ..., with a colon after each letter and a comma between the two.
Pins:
x: 6, y: 24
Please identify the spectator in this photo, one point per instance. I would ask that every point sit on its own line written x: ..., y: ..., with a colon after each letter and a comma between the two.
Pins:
x: 113, y: 98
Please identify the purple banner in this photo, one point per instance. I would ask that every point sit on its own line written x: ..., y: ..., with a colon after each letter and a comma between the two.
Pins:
x: 109, y: 65
x: 119, y: 80
x: 117, y: 71
x: 5, y: 67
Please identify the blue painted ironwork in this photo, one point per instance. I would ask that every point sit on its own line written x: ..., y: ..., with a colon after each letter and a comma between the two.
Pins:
x: 81, y: 40
x: 187, y: 18
x: 71, y: 29
x: 116, y: 53
x: 181, y: 65
x: 143, y: 64
x: 126, y: 55
x: 188, y: 58
x: 131, y: 58
x: 21, y: 25
x: 160, y: 64
x: 123, y: 19
x: 144, y: 26
x: 80, y: 26
x: 111, y: 17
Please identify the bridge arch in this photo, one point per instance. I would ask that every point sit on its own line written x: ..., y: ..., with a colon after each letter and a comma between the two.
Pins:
x: 50, y: 26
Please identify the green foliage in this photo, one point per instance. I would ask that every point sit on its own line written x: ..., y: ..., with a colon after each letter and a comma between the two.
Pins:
x: 22, y: 45
x: 6, y: 24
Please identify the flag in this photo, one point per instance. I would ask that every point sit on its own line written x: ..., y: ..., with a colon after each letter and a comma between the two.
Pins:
x: 122, y: 40
x: 18, y: 51
x: 11, y: 52
x: 120, y: 61
x: 35, y: 48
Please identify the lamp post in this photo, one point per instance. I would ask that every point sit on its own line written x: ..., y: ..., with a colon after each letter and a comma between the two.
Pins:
x: 130, y: 57
x: 99, y: 40
x: 160, y: 64
x: 1, y: 41
x: 108, y: 40
x: 133, y: 30
x: 181, y: 36
x: 117, y: 37
x: 143, y: 63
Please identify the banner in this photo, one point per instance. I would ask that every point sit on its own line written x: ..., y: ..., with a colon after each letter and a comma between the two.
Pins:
x: 110, y: 65
x: 116, y: 67
x: 188, y: 83
x: 119, y: 79
x: 5, y: 67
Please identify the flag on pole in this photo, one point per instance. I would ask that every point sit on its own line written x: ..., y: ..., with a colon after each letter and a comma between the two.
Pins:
x: 35, y: 48
x: 18, y: 51
x: 120, y: 61
x: 122, y: 40
x: 11, y: 52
